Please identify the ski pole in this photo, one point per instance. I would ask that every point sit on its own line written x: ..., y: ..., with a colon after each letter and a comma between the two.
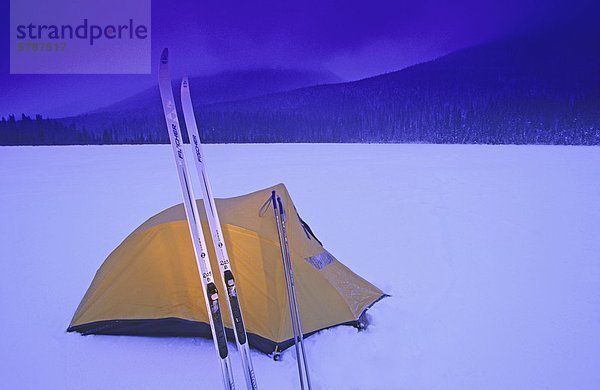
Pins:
x: 293, y: 311
x: 293, y: 288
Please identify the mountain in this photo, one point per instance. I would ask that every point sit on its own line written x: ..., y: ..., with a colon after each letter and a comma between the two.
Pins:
x: 228, y: 86
x: 531, y: 88
x: 139, y: 118
x: 536, y: 88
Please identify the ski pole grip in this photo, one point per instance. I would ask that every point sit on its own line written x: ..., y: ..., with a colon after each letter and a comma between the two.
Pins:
x: 273, y: 200
x: 280, y: 206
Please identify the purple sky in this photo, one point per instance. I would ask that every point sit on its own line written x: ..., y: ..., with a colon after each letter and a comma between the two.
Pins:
x: 353, y: 39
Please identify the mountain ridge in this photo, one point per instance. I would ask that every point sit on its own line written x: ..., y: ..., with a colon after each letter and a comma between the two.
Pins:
x: 218, y: 87
x: 541, y: 87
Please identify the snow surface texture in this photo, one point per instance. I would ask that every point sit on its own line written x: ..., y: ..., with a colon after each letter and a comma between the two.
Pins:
x: 492, y: 255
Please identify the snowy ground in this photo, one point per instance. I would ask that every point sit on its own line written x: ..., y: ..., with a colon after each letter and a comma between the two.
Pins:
x: 492, y: 255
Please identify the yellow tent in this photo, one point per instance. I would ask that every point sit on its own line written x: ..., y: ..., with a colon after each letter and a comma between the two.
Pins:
x: 149, y: 285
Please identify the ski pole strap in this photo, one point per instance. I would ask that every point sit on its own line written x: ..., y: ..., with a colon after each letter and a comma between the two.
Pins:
x: 265, y: 207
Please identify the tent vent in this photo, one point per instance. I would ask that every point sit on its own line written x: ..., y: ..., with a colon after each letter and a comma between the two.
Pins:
x: 321, y: 260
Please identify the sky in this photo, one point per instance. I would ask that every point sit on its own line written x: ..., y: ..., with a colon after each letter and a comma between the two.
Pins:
x: 352, y: 39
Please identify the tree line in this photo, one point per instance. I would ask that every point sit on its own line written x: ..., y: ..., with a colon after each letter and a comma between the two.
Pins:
x: 382, y: 116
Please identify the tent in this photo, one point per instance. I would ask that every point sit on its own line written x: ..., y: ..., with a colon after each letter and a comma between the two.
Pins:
x: 149, y: 285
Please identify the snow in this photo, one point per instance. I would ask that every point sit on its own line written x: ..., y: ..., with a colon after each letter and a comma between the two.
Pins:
x: 491, y: 255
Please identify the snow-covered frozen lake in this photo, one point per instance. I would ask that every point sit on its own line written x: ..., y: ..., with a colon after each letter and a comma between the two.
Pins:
x: 491, y: 255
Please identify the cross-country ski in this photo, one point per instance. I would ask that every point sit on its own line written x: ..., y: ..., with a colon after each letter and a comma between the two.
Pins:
x: 216, y: 232
x: 211, y: 295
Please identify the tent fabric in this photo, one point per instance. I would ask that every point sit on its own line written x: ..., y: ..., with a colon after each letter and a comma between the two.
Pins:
x: 149, y: 285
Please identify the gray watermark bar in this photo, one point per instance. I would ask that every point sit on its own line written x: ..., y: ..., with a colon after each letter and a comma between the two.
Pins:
x: 75, y: 37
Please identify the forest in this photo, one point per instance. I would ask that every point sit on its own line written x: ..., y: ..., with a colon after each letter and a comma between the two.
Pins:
x: 535, y: 89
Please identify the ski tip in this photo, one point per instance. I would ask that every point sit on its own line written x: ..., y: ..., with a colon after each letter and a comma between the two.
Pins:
x: 184, y: 82
x: 164, y: 57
